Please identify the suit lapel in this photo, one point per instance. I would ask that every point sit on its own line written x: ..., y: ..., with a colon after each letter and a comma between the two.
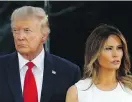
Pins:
x: 48, y: 78
x: 14, y: 77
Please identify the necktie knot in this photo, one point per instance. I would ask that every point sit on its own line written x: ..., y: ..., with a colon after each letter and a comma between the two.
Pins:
x: 30, y: 65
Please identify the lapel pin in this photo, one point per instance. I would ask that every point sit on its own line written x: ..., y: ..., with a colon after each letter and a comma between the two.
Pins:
x: 53, y: 72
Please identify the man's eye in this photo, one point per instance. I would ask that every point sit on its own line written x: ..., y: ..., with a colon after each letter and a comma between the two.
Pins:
x: 27, y: 30
x: 15, y: 30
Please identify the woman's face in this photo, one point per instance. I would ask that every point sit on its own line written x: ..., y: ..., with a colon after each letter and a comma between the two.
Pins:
x: 111, y: 54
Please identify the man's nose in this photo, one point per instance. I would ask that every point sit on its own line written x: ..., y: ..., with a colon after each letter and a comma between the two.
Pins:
x: 21, y: 35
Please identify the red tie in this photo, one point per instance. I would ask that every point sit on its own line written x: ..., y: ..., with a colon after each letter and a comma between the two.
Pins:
x: 30, y: 90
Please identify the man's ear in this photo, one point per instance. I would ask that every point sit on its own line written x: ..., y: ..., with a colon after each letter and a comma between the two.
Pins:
x: 45, y: 35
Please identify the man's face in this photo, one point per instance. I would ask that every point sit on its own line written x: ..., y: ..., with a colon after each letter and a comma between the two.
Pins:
x: 27, y: 35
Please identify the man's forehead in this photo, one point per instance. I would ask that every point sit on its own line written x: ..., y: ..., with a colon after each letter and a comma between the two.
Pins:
x: 24, y: 23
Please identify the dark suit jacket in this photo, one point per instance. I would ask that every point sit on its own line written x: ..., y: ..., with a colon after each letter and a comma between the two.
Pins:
x: 54, y: 86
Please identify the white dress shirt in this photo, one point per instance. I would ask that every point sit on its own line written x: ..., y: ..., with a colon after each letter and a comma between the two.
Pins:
x: 37, y: 70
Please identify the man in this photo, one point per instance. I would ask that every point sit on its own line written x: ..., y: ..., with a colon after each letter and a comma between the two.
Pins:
x: 31, y: 74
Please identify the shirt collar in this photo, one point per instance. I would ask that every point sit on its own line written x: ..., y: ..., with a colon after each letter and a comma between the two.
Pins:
x: 38, y: 61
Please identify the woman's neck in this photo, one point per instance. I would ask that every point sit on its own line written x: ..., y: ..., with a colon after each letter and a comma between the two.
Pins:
x: 106, y: 80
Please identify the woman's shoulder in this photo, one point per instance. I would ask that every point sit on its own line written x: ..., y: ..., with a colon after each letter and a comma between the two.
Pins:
x: 83, y: 84
x: 128, y: 90
x: 72, y: 94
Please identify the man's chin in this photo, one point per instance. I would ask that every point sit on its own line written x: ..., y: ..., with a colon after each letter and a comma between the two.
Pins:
x: 23, y: 51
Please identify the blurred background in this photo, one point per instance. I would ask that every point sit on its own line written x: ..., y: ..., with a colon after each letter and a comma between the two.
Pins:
x: 71, y: 22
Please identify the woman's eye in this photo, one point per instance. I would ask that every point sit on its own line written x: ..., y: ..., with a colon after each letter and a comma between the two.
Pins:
x: 120, y: 48
x: 108, y: 48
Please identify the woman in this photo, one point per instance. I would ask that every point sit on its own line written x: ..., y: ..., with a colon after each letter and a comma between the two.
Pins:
x: 107, y: 76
